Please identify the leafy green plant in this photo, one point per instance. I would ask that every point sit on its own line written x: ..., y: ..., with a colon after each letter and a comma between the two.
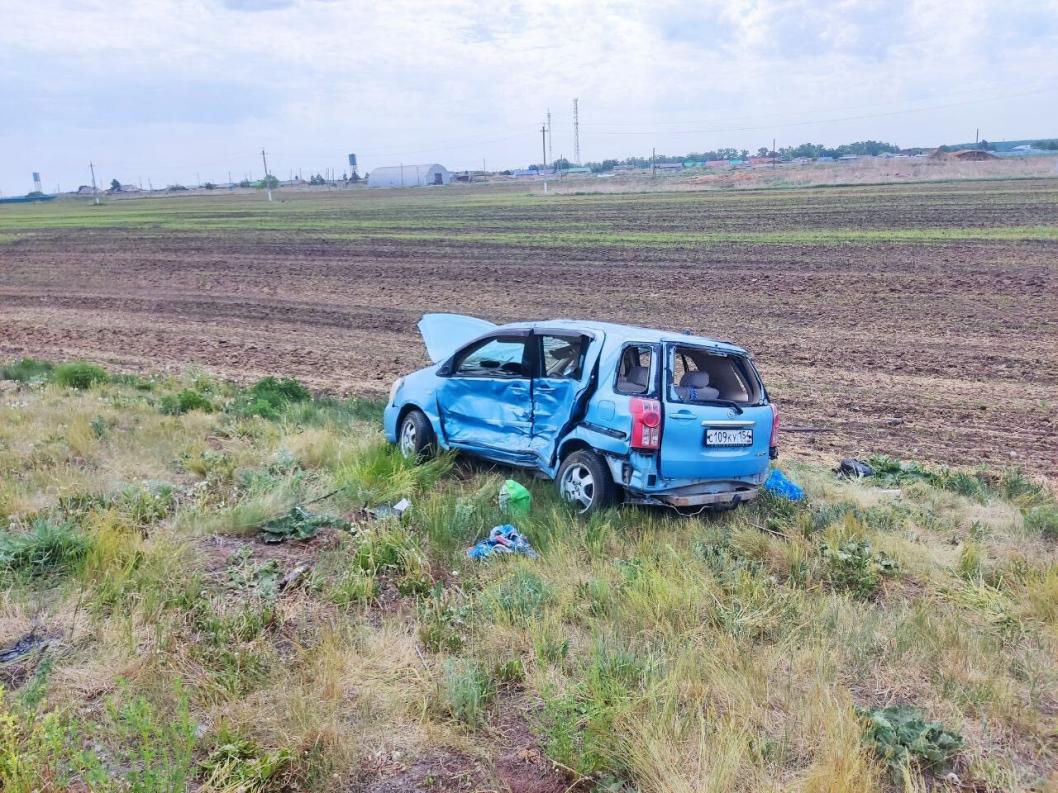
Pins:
x: 298, y: 524
x: 855, y: 568
x: 267, y: 397
x: 261, y: 579
x: 900, y: 736
x: 392, y: 550
x: 47, y: 547
x: 1043, y: 520
x: 79, y: 374
x: 241, y: 765
x: 184, y: 402
x: 153, y: 749
x: 26, y: 370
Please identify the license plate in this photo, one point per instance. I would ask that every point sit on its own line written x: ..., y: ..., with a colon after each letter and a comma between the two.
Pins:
x: 726, y: 437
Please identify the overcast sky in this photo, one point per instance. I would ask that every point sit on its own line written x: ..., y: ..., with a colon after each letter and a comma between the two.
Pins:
x: 177, y: 90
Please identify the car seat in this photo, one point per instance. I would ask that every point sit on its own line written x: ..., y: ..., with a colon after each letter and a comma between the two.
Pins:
x: 694, y: 387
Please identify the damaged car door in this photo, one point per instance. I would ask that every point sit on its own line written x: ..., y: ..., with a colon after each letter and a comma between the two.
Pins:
x: 565, y: 360
x: 485, y: 401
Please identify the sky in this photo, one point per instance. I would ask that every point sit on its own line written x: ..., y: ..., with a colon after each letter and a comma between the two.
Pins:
x: 186, y: 91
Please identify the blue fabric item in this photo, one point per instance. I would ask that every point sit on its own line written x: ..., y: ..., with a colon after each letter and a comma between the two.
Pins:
x: 778, y: 483
x: 502, y: 539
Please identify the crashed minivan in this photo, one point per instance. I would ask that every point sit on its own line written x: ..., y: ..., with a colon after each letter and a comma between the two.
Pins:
x: 610, y: 412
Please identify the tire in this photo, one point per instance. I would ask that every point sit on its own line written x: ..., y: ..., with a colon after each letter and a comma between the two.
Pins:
x: 585, y: 483
x: 415, y: 436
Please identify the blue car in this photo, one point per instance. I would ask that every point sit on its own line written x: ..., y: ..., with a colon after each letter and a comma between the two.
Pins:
x: 610, y: 412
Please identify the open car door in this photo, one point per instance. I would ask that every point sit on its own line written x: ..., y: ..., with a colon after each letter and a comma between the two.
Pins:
x: 443, y: 334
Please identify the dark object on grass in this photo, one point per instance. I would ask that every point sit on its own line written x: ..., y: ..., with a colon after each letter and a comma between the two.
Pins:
x: 21, y: 648
x: 298, y: 524
x: 851, y: 468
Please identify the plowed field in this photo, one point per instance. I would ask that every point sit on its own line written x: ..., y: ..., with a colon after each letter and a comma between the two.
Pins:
x: 917, y: 320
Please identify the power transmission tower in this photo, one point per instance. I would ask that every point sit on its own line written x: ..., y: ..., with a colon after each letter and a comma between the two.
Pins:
x: 95, y: 194
x: 268, y: 182
x: 543, y: 142
x: 549, y: 155
x: 576, y: 134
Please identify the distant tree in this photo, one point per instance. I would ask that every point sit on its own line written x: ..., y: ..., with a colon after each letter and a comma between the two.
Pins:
x: 1049, y: 145
x: 763, y: 151
x: 317, y: 179
x: 269, y: 181
x: 245, y: 183
x: 115, y: 185
x: 354, y: 178
x: 561, y: 164
x: 605, y: 165
x: 210, y: 186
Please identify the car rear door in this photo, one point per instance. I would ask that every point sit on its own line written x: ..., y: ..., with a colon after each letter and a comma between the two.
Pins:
x: 485, y: 403
x: 564, y: 363
x: 702, y: 439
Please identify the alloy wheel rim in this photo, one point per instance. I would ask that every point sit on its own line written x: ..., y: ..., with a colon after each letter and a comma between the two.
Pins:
x: 408, y: 437
x: 578, y: 486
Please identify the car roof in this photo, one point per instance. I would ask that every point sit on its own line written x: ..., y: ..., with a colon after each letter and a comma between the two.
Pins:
x: 625, y: 333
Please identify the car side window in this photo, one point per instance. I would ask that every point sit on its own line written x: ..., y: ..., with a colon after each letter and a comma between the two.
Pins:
x: 635, y: 369
x: 561, y: 356
x: 499, y: 356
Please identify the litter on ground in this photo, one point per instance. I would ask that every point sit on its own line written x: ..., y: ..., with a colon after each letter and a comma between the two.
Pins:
x: 780, y: 485
x: 21, y: 648
x: 851, y: 468
x: 386, y: 511
x: 515, y: 499
x: 502, y: 539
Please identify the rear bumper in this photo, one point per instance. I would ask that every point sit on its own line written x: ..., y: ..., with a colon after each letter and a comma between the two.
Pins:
x: 698, y: 496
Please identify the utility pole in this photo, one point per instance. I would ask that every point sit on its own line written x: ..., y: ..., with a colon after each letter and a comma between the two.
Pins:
x: 268, y: 182
x: 576, y: 134
x: 95, y: 194
x: 549, y: 155
x: 543, y: 142
x: 773, y: 153
x: 977, y: 136
x: 653, y: 163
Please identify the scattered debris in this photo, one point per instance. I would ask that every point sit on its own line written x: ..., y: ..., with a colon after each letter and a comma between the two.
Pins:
x: 23, y: 647
x: 502, y: 539
x: 299, y: 524
x: 780, y: 485
x: 851, y: 468
x: 294, y: 576
x: 385, y: 511
x: 515, y: 499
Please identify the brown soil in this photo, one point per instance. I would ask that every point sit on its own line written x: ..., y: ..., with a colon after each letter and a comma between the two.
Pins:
x: 945, y: 352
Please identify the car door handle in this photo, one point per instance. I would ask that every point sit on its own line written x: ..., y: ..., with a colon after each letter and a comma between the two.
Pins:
x: 544, y: 387
x: 682, y: 415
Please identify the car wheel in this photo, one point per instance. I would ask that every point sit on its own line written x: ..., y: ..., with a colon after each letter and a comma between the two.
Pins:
x: 584, y: 481
x: 415, y: 438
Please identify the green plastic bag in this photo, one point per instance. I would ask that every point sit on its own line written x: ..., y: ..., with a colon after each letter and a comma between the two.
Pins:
x: 514, y: 498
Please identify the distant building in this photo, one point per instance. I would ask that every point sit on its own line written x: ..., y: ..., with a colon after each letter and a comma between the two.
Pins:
x: 409, y: 175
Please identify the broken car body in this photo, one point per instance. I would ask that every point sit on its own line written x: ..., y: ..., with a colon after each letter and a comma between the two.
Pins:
x: 606, y: 410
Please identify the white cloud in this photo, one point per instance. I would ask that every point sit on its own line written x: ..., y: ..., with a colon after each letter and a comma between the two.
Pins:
x: 168, y: 88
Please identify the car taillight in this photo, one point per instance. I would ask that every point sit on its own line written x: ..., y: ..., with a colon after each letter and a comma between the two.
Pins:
x: 646, y: 423
x: 773, y: 444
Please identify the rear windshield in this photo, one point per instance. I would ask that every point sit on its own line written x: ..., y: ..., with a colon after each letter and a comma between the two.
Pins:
x: 700, y: 375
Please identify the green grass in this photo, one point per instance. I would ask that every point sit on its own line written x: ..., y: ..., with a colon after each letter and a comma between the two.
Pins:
x: 856, y: 641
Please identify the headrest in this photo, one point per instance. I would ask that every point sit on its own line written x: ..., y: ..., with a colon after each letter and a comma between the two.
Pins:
x: 640, y: 375
x: 697, y: 379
